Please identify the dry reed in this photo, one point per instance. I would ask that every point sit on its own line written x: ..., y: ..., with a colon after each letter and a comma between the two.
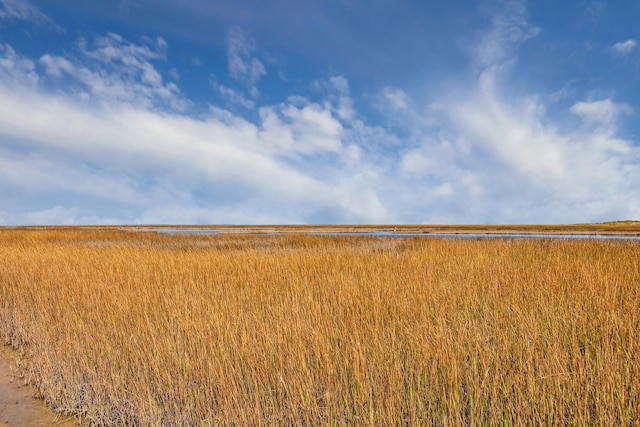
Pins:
x: 130, y: 328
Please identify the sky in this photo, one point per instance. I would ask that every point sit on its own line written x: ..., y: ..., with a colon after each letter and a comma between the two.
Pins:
x: 316, y: 112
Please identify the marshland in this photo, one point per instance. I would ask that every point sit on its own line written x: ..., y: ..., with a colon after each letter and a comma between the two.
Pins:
x: 134, y: 327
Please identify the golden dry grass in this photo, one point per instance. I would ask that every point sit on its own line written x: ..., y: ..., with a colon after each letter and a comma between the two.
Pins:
x: 146, y: 329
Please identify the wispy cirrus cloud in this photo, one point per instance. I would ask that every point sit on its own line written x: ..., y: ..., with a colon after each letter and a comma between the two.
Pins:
x: 488, y: 155
x: 231, y: 95
x: 395, y: 97
x: 242, y: 63
x: 24, y: 10
x: 20, y: 9
x: 509, y: 28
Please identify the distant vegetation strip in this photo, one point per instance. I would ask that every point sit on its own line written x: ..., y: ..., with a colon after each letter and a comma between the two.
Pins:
x: 146, y: 329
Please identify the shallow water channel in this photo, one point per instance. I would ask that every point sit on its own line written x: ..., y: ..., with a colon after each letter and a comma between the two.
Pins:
x: 18, y: 406
x: 400, y: 234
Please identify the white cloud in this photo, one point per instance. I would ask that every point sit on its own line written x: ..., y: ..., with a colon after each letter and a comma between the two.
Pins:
x: 113, y: 48
x: 396, y: 98
x: 16, y: 68
x: 499, y: 158
x: 243, y: 64
x: 509, y: 29
x: 623, y: 48
x: 336, y: 92
x: 341, y: 96
x: 114, y: 69
x: 145, y: 164
x: 301, y: 129
x: 506, y: 163
x: 603, y: 112
x: 233, y: 96
x: 56, y: 66
x: 565, y: 92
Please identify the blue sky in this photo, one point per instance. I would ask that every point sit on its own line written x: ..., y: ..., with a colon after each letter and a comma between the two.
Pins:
x: 335, y: 111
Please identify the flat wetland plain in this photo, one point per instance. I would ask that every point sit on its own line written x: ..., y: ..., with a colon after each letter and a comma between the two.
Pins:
x: 281, y: 326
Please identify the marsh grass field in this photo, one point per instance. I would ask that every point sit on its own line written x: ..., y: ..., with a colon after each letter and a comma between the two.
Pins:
x: 140, y: 328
